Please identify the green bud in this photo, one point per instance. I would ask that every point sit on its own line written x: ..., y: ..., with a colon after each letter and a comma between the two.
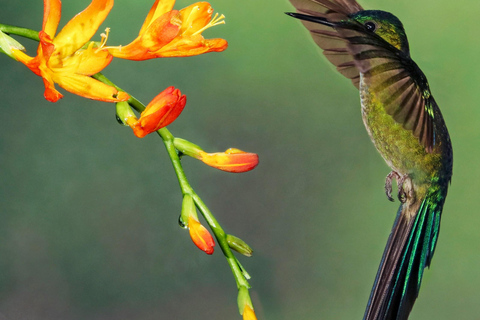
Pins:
x: 243, y: 299
x: 239, y: 245
x: 7, y: 43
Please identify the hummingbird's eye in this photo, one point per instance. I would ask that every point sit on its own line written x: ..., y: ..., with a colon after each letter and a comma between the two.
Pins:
x: 370, y: 26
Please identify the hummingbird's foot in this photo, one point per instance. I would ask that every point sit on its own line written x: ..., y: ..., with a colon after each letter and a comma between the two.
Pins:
x: 402, y: 196
x: 388, y: 184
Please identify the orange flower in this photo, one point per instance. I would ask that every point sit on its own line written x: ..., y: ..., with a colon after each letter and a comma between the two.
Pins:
x: 173, y: 33
x: 63, y: 59
x: 248, y: 313
x: 159, y: 113
x: 232, y: 160
x: 200, y: 236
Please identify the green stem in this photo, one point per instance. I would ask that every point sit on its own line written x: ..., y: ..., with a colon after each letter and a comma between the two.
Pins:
x: 222, y: 241
x: 23, y: 32
x: 167, y: 138
x: 206, y: 213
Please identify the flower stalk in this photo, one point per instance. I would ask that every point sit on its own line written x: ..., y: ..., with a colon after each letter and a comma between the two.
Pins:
x: 72, y: 61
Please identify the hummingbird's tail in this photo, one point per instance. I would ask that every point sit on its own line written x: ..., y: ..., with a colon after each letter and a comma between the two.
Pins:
x: 409, y: 250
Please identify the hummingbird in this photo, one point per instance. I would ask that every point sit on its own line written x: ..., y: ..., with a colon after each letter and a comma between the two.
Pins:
x: 370, y: 48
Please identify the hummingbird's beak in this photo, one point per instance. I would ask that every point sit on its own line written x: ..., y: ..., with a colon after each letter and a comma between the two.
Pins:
x: 311, y: 18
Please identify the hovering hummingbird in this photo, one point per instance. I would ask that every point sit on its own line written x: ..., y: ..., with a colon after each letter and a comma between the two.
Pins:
x: 403, y: 120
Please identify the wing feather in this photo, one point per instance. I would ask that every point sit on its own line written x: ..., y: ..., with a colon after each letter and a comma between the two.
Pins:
x: 397, y: 81
x: 327, y: 38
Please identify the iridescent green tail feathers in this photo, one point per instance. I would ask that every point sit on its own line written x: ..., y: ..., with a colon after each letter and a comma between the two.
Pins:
x: 409, y: 251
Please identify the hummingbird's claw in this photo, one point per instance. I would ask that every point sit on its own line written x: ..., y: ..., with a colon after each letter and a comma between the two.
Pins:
x: 402, y: 195
x: 388, y: 184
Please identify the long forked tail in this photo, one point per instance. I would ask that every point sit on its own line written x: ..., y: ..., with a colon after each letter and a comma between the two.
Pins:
x: 409, y: 250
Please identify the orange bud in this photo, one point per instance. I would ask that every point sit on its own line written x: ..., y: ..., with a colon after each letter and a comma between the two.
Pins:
x: 200, y: 236
x: 232, y: 160
x: 159, y: 113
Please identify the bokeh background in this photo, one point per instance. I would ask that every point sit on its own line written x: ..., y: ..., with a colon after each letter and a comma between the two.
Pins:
x: 88, y: 212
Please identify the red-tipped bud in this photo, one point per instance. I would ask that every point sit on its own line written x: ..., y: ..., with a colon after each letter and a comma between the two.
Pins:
x: 159, y: 113
x: 200, y: 236
x: 232, y: 160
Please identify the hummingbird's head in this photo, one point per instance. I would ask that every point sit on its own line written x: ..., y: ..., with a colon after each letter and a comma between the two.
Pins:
x: 385, y: 25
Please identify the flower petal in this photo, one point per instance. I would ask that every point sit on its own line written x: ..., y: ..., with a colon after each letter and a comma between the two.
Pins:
x: 195, y: 17
x: 158, y: 34
x: 159, y: 8
x: 51, y: 16
x: 82, y: 27
x: 88, y: 87
x: 192, y: 46
x: 51, y: 94
x: 45, y: 47
x: 87, y: 61
x: 31, y: 63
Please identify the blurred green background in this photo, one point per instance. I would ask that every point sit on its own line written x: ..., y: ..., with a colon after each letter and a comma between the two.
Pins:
x: 88, y: 212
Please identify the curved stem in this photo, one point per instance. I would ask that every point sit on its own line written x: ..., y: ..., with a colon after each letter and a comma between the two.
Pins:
x: 23, y: 32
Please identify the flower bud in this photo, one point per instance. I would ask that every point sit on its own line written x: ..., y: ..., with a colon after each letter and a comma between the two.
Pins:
x: 159, y: 113
x: 7, y: 43
x: 245, y: 304
x: 200, y: 236
x: 232, y: 160
x: 239, y: 245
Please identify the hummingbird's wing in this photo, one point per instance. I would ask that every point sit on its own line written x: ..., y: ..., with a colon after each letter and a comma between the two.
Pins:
x: 396, y: 79
x: 333, y: 45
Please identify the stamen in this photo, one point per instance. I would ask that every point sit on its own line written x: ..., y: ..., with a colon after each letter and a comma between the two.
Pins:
x: 215, y: 21
x: 104, y: 37
x: 104, y: 40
